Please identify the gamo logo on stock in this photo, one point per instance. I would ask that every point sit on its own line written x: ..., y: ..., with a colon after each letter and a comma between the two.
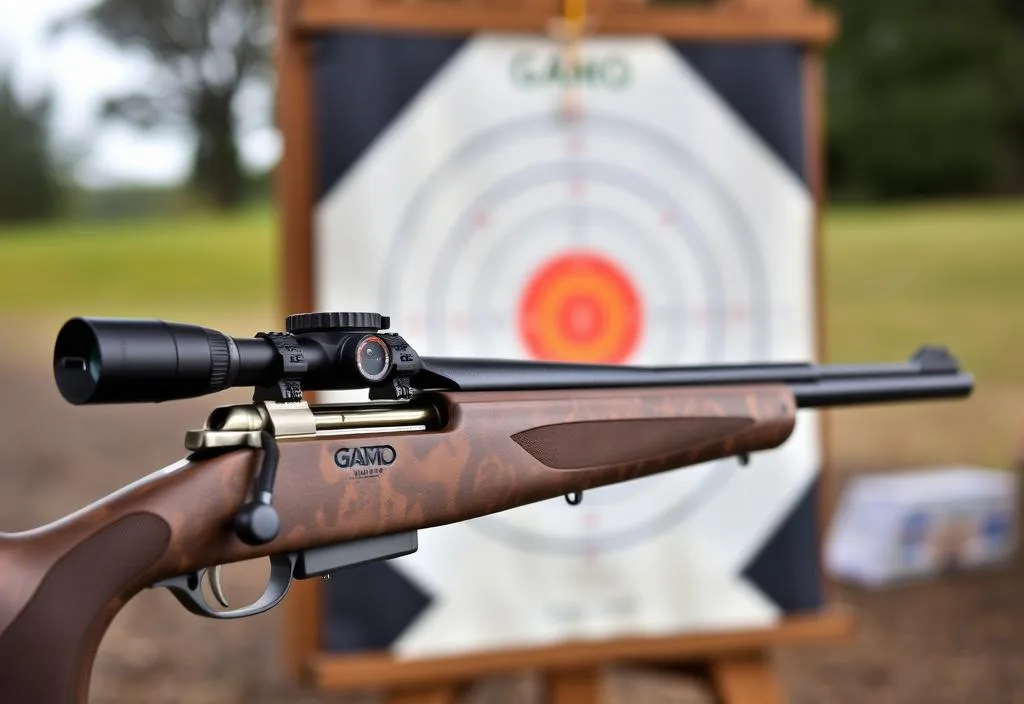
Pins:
x: 366, y: 461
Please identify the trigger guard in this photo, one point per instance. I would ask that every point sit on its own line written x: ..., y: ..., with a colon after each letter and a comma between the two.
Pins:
x: 188, y: 590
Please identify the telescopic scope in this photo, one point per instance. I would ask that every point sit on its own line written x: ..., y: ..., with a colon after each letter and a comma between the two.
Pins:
x: 108, y: 360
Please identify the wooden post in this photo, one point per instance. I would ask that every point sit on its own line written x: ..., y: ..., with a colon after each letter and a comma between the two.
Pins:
x: 295, y: 189
x: 746, y: 679
x: 776, y: 6
x: 575, y: 686
x: 440, y: 694
x: 814, y: 125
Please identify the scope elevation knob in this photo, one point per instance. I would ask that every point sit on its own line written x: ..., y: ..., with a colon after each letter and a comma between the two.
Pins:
x: 324, y: 322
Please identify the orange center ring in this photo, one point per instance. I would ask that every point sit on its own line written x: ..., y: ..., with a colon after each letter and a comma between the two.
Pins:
x: 580, y: 307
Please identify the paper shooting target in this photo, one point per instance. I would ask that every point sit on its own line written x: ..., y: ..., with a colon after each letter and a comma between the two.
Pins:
x: 659, y: 228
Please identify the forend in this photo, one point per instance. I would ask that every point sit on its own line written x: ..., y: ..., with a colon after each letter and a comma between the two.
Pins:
x: 113, y: 360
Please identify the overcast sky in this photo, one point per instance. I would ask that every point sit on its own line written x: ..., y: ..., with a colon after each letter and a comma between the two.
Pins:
x: 81, y: 71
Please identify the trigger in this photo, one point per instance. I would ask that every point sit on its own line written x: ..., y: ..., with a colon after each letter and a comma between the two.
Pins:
x: 217, y: 588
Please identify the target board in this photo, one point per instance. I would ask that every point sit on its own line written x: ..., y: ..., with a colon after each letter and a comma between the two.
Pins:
x: 670, y: 224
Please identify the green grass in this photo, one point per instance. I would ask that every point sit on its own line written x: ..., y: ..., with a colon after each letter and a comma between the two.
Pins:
x: 949, y: 273
x: 942, y: 273
x: 140, y: 267
x: 896, y: 276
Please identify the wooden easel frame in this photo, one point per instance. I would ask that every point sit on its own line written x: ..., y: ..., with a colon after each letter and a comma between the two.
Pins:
x: 737, y: 662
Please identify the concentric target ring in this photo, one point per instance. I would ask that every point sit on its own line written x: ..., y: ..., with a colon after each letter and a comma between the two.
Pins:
x: 597, y: 123
x: 686, y: 233
x: 542, y: 302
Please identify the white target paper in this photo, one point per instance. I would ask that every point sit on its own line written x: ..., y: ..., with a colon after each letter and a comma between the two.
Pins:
x: 467, y: 217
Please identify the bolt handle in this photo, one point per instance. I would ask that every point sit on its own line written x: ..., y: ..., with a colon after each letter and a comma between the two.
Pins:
x: 257, y: 522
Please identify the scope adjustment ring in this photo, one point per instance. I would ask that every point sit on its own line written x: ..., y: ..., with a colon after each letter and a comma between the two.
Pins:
x: 322, y: 322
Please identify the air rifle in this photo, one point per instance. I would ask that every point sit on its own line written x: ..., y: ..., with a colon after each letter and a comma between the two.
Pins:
x: 316, y: 488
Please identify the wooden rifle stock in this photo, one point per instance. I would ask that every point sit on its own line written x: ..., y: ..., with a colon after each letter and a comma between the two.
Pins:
x: 61, y: 585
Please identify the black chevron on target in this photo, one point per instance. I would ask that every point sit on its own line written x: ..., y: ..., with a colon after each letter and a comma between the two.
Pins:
x: 369, y: 607
x: 787, y: 568
x: 762, y: 84
x: 361, y: 83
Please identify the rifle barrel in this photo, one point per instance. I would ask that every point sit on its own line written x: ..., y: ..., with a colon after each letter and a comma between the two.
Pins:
x: 931, y: 373
x: 850, y: 392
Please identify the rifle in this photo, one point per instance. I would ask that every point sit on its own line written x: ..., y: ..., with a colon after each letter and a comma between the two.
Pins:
x: 316, y: 488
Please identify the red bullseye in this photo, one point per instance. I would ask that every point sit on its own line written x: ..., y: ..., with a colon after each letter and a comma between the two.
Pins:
x: 581, y: 319
x: 580, y: 307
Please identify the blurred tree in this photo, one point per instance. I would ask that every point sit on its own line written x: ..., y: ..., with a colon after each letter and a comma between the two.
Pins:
x: 205, y: 53
x: 924, y: 96
x: 29, y: 185
x: 1013, y: 11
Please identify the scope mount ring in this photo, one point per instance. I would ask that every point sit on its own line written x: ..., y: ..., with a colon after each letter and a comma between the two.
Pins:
x: 293, y: 366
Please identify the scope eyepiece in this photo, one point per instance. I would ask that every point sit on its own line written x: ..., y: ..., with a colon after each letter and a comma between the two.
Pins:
x: 100, y: 360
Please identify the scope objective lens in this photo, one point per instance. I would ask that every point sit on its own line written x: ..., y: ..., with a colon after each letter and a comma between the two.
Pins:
x: 95, y: 363
x: 110, y: 360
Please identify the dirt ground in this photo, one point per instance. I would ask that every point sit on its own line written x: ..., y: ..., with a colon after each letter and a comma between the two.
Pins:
x: 954, y: 640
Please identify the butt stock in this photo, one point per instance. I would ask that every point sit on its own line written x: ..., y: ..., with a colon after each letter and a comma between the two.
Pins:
x: 62, y: 585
